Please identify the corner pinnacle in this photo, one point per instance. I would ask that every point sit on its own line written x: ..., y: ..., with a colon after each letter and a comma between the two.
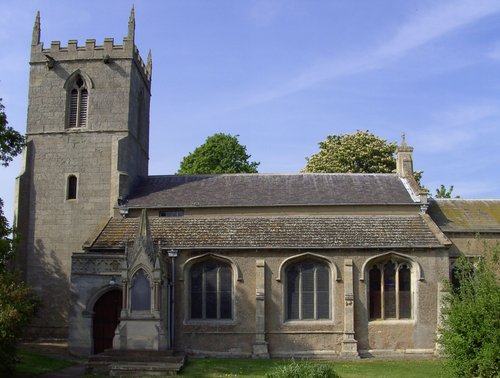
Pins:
x: 35, y: 40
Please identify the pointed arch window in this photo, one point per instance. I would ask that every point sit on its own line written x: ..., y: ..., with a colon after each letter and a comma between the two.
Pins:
x: 211, y: 290
x: 140, y: 292
x: 78, y: 103
x: 390, y: 290
x: 308, y: 291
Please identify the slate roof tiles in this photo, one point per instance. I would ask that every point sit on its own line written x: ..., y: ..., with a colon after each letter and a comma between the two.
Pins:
x: 276, y: 232
x: 269, y: 190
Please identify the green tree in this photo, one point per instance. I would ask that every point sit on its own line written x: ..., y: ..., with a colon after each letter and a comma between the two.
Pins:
x: 470, y: 332
x: 443, y: 192
x: 221, y: 153
x: 17, y: 301
x: 11, y: 142
x: 361, y: 152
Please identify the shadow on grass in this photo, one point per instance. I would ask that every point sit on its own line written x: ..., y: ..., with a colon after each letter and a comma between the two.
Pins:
x: 32, y: 364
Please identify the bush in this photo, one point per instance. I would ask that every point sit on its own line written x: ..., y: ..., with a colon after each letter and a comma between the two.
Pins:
x: 302, y: 369
x: 470, y: 334
x: 18, y: 305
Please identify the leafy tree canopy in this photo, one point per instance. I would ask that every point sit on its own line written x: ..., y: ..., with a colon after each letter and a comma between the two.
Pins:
x: 6, y: 241
x: 470, y: 332
x: 18, y: 303
x: 221, y: 153
x: 443, y: 192
x: 11, y: 142
x: 361, y: 152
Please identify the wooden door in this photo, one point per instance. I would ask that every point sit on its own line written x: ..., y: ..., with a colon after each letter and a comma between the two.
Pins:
x: 106, y: 317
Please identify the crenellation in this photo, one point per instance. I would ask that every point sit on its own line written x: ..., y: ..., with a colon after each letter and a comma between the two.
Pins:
x: 72, y: 45
x: 55, y: 46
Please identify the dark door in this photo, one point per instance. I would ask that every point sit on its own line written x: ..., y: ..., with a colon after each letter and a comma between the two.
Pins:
x: 106, y: 318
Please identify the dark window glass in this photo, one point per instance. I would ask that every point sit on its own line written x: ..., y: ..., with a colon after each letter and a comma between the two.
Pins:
x: 72, y: 187
x: 307, y: 291
x: 226, y: 292
x: 404, y: 292
x: 323, y: 292
x: 211, y: 291
x: 293, y: 293
x: 375, y: 293
x: 390, y: 291
x: 140, y: 292
x: 197, y: 292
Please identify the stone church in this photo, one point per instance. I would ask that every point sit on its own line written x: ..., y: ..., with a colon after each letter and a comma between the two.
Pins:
x: 261, y: 265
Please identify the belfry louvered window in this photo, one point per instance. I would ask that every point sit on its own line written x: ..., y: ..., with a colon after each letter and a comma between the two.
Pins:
x: 211, y: 291
x: 390, y: 290
x: 78, y: 104
x: 308, y: 291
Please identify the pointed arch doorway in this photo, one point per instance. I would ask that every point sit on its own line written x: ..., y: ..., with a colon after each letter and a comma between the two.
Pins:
x: 106, y: 317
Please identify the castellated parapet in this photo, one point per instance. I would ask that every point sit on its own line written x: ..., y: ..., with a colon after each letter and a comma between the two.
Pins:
x: 108, y: 52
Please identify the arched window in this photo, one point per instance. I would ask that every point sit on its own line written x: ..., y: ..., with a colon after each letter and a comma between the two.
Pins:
x: 211, y: 290
x: 308, y: 291
x: 140, y: 292
x: 78, y: 103
x: 390, y: 290
x: 71, y: 187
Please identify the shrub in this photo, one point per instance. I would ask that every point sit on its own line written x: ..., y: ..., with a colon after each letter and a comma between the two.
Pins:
x: 302, y: 369
x: 470, y: 334
x: 18, y: 305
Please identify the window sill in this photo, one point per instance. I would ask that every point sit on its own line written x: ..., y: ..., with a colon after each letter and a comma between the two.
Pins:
x: 391, y: 321
x: 307, y: 322
x: 210, y: 322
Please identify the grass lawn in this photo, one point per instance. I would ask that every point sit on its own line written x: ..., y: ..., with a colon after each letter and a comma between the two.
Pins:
x: 211, y: 368
x: 33, y: 364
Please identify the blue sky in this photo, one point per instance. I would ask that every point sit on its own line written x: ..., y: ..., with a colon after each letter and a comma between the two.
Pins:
x: 285, y: 74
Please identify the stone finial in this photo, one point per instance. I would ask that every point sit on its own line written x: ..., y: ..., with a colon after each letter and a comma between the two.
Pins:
x: 131, y: 25
x: 144, y: 231
x: 149, y: 65
x: 35, y: 40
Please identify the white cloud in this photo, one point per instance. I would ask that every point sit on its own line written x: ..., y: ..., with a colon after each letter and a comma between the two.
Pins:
x: 452, y: 128
x: 435, y: 23
x: 428, y: 25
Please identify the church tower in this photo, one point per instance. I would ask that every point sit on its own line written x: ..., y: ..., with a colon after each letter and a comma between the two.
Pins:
x: 87, y: 145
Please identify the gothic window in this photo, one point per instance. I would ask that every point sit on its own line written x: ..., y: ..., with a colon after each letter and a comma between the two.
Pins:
x: 140, y: 292
x: 211, y: 290
x: 307, y: 291
x: 71, y: 187
x: 390, y: 290
x: 78, y: 103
